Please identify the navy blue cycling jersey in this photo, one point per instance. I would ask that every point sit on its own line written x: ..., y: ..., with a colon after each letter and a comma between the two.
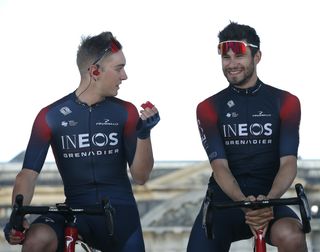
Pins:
x: 251, y: 128
x: 92, y: 146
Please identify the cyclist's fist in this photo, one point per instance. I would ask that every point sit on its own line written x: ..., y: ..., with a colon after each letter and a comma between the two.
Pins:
x: 14, y: 236
x: 258, y: 219
x: 149, y: 118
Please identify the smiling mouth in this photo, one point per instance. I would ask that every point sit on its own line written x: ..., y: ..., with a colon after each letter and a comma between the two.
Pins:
x: 234, y: 71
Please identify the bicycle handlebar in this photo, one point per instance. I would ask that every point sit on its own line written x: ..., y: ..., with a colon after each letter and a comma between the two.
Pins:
x: 257, y: 204
x: 19, y: 211
x: 300, y: 200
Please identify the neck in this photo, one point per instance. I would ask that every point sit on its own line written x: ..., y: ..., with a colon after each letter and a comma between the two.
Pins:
x: 85, y: 93
x: 248, y: 83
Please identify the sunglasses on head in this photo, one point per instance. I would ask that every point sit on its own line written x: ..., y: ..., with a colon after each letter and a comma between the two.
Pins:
x: 237, y: 46
x: 113, y: 47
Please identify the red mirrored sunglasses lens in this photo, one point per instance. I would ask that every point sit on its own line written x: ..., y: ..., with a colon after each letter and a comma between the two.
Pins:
x: 115, y: 45
x: 236, y: 46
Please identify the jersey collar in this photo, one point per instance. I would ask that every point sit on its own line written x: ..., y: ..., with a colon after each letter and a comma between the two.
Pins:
x: 247, y: 91
x: 77, y: 100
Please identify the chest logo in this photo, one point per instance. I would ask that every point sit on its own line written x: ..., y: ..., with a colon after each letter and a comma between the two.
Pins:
x: 230, y: 103
x: 65, y: 111
x: 232, y: 115
x: 261, y: 114
x: 107, y: 122
x: 69, y: 123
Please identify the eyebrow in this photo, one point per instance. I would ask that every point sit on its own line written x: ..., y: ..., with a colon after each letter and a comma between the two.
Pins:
x: 120, y: 65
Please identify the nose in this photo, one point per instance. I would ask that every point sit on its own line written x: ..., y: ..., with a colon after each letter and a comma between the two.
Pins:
x: 231, y: 61
x: 124, y: 75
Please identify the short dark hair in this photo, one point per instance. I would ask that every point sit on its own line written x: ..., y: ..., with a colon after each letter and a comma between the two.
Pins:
x: 91, y: 48
x: 235, y: 31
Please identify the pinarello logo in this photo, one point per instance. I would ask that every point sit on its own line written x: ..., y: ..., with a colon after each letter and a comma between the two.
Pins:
x: 69, y: 240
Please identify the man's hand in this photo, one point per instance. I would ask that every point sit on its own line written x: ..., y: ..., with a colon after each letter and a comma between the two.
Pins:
x: 148, y: 119
x: 14, y: 236
x: 258, y: 219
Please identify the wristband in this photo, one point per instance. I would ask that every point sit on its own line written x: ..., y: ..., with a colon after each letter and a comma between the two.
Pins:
x: 6, y: 230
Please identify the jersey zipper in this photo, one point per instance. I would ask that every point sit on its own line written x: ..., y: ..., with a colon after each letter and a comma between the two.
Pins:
x: 247, y: 116
x: 91, y: 149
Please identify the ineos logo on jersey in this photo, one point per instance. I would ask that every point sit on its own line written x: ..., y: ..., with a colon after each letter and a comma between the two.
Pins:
x: 203, y: 136
x: 84, y: 140
x: 244, y: 129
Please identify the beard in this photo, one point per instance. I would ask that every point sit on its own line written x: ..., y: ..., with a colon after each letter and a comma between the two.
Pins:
x: 247, y: 75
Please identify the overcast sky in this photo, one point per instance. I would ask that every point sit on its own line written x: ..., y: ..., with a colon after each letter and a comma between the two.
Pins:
x: 171, y: 51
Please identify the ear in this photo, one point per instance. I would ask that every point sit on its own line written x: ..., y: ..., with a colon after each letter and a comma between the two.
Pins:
x: 257, y: 57
x: 94, y: 70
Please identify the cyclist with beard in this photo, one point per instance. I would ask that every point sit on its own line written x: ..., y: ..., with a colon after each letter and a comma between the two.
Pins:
x: 250, y: 132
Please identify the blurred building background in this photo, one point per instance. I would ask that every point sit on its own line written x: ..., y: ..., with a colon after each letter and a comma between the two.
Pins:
x: 168, y: 203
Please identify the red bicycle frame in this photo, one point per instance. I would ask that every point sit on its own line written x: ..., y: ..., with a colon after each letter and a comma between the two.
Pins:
x: 71, y: 230
x: 70, y: 237
x: 301, y: 200
x: 260, y: 242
